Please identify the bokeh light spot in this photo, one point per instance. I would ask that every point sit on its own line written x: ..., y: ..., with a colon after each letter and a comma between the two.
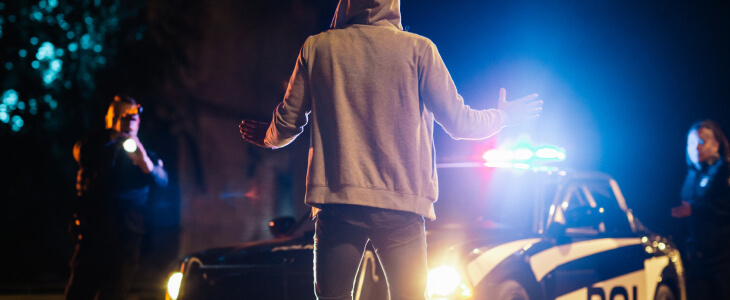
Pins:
x: 46, y: 51
x: 10, y: 98
x: 56, y: 65
x: 17, y: 123
x: 36, y: 15
x: 86, y: 41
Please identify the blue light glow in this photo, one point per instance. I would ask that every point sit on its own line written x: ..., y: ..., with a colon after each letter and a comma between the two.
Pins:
x: 42, y: 4
x: 8, y: 66
x: 48, y: 76
x: 46, y: 51
x: 97, y: 48
x: 35, y: 64
x: 70, y: 35
x: 89, y: 20
x: 34, y: 41
x: 85, y: 41
x: 36, y: 15
x: 522, y: 166
x: 33, y: 106
x: 73, y: 46
x: 523, y: 154
x: 56, y: 65
x: 3, y: 107
x: 22, y: 53
x: 52, y: 4
x: 10, y: 98
x: 17, y: 123
x: 21, y: 105
x: 4, y: 117
x: 59, y: 52
x: 549, y: 152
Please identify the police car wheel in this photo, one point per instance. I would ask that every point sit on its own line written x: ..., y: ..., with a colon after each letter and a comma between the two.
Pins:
x: 664, y: 293
x: 511, y: 290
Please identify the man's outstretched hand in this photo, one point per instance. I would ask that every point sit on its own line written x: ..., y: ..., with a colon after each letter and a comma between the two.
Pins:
x: 522, y: 110
x: 254, y: 132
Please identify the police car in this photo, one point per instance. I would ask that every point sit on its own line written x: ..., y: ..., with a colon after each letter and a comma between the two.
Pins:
x: 505, y: 230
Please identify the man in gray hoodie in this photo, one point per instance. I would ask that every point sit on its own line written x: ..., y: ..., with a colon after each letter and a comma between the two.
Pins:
x: 373, y: 92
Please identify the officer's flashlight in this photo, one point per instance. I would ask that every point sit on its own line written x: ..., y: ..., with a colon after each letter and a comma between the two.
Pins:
x: 130, y: 145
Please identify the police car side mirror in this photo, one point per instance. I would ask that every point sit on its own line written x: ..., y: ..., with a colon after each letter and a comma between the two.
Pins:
x: 279, y: 227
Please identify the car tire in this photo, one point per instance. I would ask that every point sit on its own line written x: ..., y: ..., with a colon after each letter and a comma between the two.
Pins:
x: 663, y: 292
x: 511, y: 290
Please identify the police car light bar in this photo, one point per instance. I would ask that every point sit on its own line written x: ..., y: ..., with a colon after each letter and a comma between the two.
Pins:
x: 525, y: 155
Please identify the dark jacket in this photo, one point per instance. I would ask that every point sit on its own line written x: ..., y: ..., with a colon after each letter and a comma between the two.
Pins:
x: 708, y: 192
x: 111, y: 190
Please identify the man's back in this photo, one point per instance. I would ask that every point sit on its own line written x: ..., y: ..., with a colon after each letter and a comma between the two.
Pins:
x: 374, y: 92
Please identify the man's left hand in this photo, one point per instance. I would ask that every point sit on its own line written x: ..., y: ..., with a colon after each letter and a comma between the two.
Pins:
x: 254, y: 132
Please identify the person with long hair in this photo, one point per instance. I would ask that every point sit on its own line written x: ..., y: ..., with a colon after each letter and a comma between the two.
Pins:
x: 706, y: 205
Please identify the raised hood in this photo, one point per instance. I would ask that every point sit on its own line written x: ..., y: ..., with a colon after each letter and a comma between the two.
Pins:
x: 367, y: 12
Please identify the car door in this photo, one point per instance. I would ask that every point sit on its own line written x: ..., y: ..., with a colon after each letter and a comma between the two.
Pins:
x: 595, y: 255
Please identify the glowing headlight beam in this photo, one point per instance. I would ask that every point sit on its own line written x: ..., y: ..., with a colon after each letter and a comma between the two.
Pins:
x: 443, y: 281
x: 173, y: 285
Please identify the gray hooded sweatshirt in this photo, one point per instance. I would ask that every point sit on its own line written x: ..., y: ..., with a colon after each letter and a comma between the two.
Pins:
x: 372, y: 92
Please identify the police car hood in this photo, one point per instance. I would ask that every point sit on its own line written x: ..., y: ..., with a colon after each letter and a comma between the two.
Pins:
x: 267, y: 252
x: 458, y: 241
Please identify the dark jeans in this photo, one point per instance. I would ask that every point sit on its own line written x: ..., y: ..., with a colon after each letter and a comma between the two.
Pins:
x: 341, y: 234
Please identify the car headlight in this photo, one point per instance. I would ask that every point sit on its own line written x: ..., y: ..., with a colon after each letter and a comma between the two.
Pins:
x: 445, y: 281
x: 173, y: 285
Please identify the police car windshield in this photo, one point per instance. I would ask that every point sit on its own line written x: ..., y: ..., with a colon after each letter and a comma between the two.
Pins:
x: 492, y: 198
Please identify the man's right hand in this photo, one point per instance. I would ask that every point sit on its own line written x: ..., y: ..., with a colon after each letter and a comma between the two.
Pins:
x: 254, y: 132
x: 519, y: 111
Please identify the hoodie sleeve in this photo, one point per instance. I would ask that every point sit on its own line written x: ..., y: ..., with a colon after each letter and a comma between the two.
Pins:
x: 438, y: 93
x: 290, y: 116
